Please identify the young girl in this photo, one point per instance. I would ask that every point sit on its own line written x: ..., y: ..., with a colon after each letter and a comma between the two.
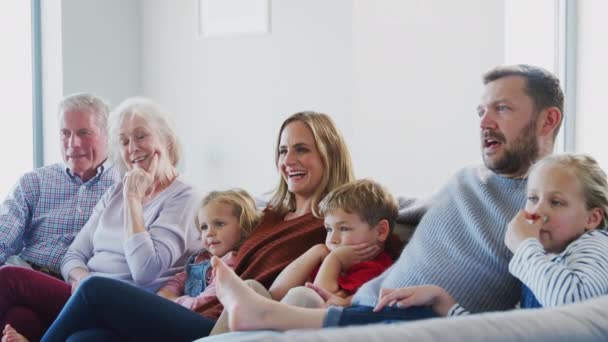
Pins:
x: 559, y: 241
x: 225, y: 219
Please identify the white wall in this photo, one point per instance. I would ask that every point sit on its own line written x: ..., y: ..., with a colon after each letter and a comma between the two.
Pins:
x: 417, y: 76
x: 96, y: 48
x: 401, y: 79
x: 230, y: 94
x: 592, y: 80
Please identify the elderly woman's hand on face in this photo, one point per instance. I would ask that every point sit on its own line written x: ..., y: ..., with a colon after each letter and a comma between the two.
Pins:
x: 138, y: 182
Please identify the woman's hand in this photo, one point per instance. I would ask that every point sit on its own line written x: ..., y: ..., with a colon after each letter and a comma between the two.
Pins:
x: 427, y: 295
x: 138, y: 182
x: 76, y: 276
x: 523, y: 226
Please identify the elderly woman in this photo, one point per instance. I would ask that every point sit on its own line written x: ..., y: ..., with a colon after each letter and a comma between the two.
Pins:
x: 139, y: 231
x: 312, y: 159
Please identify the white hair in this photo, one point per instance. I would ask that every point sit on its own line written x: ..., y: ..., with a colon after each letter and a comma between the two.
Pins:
x: 150, y: 112
x: 87, y: 103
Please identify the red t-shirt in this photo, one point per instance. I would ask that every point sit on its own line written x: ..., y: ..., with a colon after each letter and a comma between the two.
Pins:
x: 359, y: 274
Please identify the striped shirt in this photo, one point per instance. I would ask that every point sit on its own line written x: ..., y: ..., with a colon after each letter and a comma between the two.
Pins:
x: 580, y: 272
x: 458, y: 244
x: 46, y: 209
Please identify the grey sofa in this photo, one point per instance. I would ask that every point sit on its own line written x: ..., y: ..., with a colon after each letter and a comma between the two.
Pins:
x: 586, y: 321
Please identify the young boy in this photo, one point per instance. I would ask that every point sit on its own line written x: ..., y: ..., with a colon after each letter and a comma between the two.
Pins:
x: 359, y: 217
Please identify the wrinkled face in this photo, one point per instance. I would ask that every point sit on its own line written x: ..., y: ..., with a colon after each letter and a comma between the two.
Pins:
x: 220, y: 229
x: 84, y: 144
x: 140, y: 140
x: 555, y: 192
x: 300, y: 162
x: 509, y: 138
x: 344, y: 229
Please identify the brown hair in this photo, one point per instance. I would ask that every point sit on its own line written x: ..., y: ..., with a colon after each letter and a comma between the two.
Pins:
x: 541, y: 86
x: 364, y: 197
x: 334, y: 154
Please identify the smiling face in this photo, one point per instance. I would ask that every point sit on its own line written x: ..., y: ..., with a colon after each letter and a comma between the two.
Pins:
x: 345, y: 229
x: 299, y: 160
x: 140, y: 141
x: 555, y: 192
x: 220, y: 229
x: 509, y: 138
x: 84, y: 143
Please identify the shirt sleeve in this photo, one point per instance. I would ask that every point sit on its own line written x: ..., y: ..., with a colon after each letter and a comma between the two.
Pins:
x: 579, y: 273
x: 176, y: 284
x: 15, y: 216
x: 81, y: 249
x: 457, y: 310
x: 151, y: 253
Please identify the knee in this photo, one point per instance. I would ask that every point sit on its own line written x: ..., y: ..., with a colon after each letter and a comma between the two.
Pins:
x: 92, y: 285
x: 13, y: 274
x: 303, y: 296
x: 257, y: 287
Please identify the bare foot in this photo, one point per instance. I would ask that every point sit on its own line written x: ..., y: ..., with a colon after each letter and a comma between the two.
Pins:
x: 9, y: 334
x: 246, y: 309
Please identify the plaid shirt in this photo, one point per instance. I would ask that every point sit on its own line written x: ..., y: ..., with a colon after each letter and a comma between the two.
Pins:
x: 46, y: 209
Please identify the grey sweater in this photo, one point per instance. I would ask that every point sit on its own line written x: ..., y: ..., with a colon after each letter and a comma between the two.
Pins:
x: 458, y: 243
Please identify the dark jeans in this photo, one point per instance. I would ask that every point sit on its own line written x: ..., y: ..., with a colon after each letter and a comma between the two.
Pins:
x: 105, y: 307
x: 361, y: 315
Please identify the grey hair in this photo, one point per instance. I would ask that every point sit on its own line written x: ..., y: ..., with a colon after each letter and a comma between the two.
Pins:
x: 151, y: 112
x: 86, y: 102
x: 590, y: 175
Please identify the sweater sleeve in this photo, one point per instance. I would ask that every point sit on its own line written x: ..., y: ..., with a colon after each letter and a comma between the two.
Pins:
x: 151, y: 253
x: 81, y: 249
x: 578, y: 273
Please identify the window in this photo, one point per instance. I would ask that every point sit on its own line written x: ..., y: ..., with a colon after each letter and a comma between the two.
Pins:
x: 16, y: 133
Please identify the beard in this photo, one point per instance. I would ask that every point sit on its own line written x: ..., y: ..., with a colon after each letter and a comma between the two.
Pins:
x: 516, y: 159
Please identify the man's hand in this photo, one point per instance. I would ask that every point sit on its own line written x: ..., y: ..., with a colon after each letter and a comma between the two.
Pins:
x: 351, y: 255
x: 523, y: 226
x: 329, y: 298
x: 427, y: 295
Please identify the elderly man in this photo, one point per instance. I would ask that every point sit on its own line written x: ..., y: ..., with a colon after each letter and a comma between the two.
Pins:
x: 49, y: 205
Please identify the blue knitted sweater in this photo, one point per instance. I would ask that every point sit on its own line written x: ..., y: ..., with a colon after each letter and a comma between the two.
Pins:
x: 459, y: 243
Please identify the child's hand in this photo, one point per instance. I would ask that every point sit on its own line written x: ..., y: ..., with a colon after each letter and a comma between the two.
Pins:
x: 329, y: 298
x: 354, y: 254
x: 523, y: 226
x: 427, y: 295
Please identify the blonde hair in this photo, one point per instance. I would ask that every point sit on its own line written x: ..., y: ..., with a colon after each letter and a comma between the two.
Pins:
x: 334, y: 155
x: 364, y: 197
x: 589, y: 174
x: 151, y: 113
x: 243, y: 207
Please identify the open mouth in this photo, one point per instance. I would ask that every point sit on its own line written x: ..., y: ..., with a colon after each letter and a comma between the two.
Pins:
x: 298, y: 174
x: 139, y: 159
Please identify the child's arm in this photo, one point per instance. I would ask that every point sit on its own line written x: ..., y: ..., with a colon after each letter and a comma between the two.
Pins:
x: 298, y: 271
x: 174, y: 287
x: 340, y: 260
x: 578, y: 273
x: 427, y: 295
